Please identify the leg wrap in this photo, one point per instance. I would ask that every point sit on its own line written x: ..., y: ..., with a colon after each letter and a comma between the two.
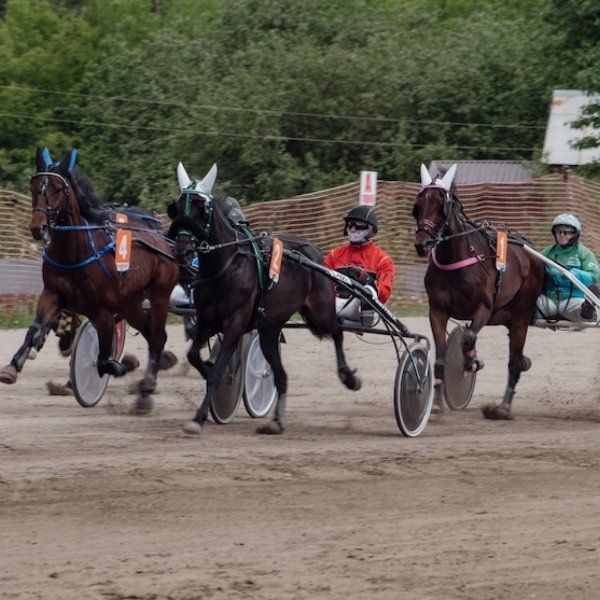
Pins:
x: 36, y: 335
x: 439, y: 369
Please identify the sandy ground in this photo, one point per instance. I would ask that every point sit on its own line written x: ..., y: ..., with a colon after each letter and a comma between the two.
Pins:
x: 98, y: 504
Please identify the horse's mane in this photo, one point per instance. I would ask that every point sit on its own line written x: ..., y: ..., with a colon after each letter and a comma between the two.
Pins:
x: 93, y: 207
x: 91, y: 204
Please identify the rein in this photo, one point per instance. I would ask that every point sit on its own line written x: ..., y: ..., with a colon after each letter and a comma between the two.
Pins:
x: 204, y: 247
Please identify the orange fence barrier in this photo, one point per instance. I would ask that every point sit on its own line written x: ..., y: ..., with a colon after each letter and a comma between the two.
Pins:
x: 526, y: 207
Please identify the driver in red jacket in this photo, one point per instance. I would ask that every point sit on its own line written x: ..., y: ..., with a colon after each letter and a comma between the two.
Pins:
x: 361, y: 259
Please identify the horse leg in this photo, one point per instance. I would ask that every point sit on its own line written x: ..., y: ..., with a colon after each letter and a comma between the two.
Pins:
x: 438, y: 321
x: 200, y: 338
x: 46, y: 312
x: 517, y: 363
x: 345, y: 373
x: 151, y: 324
x: 269, y: 343
x: 472, y: 362
x: 229, y: 343
x: 34, y: 338
x: 105, y: 327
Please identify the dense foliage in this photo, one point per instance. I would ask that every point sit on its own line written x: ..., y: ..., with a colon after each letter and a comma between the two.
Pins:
x: 286, y: 97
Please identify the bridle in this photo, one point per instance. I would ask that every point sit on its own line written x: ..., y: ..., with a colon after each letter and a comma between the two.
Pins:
x: 52, y: 213
x: 436, y: 232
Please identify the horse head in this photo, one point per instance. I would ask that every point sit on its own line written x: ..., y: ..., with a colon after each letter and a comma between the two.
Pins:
x: 433, y: 209
x: 51, y: 192
x: 191, y: 213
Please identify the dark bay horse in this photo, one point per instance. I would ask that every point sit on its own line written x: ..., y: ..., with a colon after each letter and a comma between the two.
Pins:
x: 234, y: 292
x: 466, y: 281
x: 82, y: 271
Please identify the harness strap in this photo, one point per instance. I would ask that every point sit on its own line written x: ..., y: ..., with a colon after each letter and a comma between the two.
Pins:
x: 257, y: 254
x: 461, y: 264
x: 96, y: 254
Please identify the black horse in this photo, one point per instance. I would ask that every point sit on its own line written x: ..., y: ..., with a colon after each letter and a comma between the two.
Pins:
x: 81, y: 271
x: 234, y: 292
x: 470, y: 278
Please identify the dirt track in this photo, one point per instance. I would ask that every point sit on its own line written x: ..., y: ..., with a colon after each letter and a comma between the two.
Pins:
x: 96, y: 503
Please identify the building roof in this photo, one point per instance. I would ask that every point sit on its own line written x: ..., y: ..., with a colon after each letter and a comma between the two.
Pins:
x: 567, y: 105
x: 483, y: 171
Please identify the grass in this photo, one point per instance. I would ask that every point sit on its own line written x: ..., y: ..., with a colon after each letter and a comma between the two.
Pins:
x: 12, y: 319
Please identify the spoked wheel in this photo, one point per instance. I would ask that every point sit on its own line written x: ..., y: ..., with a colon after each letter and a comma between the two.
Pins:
x: 228, y: 396
x: 413, y: 391
x: 88, y: 386
x: 459, y: 385
x: 259, y: 387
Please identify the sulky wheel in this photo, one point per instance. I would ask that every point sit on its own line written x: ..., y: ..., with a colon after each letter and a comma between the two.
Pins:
x: 228, y: 396
x: 259, y: 388
x: 459, y: 384
x: 88, y: 386
x: 413, y: 391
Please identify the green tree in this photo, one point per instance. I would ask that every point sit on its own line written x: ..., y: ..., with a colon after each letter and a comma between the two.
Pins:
x: 577, y: 23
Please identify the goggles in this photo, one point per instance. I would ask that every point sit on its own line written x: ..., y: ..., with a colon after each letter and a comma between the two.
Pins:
x: 563, y: 231
x: 358, y: 225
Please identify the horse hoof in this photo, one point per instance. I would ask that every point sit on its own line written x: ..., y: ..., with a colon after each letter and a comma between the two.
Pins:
x: 525, y: 363
x: 496, y: 413
x: 191, y: 428
x: 350, y: 380
x: 146, y: 385
x: 8, y: 374
x: 167, y: 360
x: 270, y: 428
x: 473, y: 366
x: 59, y: 389
x: 32, y: 354
x: 130, y: 362
x: 143, y: 405
x: 436, y: 409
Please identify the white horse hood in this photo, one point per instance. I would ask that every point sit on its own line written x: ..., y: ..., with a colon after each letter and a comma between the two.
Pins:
x: 203, y: 186
x: 445, y: 182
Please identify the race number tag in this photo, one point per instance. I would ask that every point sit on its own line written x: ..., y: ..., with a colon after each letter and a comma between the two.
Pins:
x: 276, y: 257
x: 501, y: 250
x: 123, y: 245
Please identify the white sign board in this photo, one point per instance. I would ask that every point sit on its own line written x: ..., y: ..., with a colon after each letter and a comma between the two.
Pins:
x: 567, y: 105
x: 368, y: 188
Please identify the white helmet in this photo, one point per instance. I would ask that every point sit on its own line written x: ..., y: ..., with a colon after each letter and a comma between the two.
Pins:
x: 567, y: 219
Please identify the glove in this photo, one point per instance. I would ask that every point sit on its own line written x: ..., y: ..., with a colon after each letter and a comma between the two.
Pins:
x: 553, y: 272
x: 367, y: 279
x: 581, y: 275
x: 554, y: 276
x: 372, y: 290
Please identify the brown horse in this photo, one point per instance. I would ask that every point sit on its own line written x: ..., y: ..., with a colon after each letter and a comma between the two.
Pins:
x: 235, y: 294
x: 469, y: 279
x: 81, y: 270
